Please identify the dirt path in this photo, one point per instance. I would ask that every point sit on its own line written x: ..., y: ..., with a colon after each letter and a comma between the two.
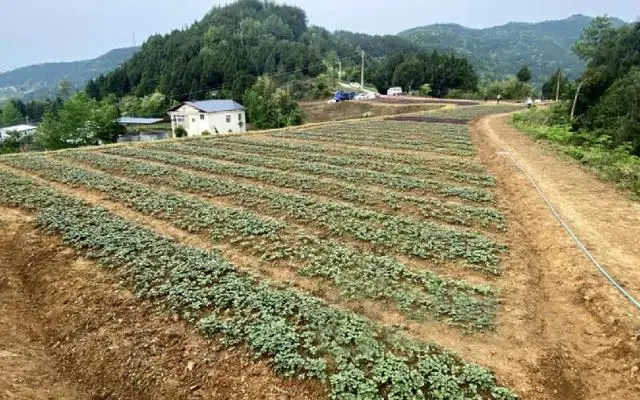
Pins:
x: 574, y: 333
x: 605, y: 219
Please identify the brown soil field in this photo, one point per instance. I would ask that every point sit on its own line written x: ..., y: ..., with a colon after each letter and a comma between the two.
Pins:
x: 322, y: 112
x: 69, y: 330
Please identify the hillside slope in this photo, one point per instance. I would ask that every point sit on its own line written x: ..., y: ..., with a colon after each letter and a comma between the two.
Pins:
x: 41, y: 79
x: 224, y: 52
x: 502, y: 50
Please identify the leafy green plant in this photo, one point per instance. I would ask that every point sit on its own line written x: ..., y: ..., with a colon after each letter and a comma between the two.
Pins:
x: 300, y: 335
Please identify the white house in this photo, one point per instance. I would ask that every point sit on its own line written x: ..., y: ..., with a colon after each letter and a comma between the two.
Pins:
x: 21, y: 130
x: 213, y: 116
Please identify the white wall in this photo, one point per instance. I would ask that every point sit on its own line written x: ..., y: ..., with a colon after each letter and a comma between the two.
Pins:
x: 196, y: 122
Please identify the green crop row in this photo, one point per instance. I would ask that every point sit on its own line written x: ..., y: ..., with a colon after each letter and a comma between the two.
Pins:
x: 385, y: 232
x: 415, y: 145
x: 403, y: 161
x: 418, y: 294
x: 301, y: 336
x: 355, y: 176
x: 392, y: 202
x: 432, y: 172
x: 448, y: 134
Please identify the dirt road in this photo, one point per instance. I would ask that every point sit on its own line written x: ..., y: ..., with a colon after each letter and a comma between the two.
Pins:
x: 577, y: 336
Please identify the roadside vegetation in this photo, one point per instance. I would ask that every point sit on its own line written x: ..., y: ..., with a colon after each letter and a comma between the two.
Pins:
x: 615, y: 163
x: 602, y: 128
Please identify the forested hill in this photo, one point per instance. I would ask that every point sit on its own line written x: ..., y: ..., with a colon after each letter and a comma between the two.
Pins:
x: 500, y: 51
x: 41, y: 80
x: 231, y: 46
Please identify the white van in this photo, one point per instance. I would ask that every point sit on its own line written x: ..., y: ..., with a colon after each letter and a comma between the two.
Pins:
x: 394, y: 91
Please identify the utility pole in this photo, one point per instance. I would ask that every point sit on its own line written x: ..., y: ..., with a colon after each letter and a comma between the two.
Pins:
x: 575, y: 100
x: 362, y: 73
x: 340, y: 70
x: 558, y: 88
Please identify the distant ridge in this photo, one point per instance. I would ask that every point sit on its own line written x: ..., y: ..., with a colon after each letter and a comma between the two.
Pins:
x: 501, y: 50
x: 41, y: 80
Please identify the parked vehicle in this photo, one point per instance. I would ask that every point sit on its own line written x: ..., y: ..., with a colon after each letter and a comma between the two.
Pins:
x: 344, y: 96
x: 394, y: 91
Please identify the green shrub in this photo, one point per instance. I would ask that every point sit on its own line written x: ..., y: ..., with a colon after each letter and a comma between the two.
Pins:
x: 180, y: 131
x: 206, y: 133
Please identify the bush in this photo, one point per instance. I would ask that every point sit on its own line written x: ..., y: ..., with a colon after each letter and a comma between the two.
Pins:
x: 206, y: 133
x: 180, y: 132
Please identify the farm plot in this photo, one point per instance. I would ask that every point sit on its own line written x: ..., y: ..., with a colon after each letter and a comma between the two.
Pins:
x: 345, y: 213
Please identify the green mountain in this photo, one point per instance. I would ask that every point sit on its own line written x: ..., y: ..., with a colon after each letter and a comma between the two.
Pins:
x: 41, y: 80
x: 224, y: 53
x: 502, y: 50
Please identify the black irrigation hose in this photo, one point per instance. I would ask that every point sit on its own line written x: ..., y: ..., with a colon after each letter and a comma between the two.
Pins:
x: 581, y: 245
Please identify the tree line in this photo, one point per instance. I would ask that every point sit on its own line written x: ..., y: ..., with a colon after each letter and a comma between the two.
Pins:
x: 603, y: 105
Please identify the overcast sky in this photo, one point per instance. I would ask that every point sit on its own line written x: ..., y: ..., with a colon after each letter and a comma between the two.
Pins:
x: 68, y: 30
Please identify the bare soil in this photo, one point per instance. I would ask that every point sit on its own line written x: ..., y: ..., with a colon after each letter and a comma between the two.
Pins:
x: 424, y: 100
x: 74, y: 333
x: 323, y: 112
x: 431, y: 120
x: 575, y: 336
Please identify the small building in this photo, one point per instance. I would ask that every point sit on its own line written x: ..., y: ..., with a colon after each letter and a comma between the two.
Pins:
x: 212, y: 116
x: 143, y: 129
x: 21, y: 130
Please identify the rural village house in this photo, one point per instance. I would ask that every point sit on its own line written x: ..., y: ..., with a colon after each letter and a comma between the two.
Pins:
x: 213, y: 116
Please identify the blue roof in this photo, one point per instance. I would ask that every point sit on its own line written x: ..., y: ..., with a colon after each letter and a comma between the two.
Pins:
x: 138, y: 121
x: 213, y: 106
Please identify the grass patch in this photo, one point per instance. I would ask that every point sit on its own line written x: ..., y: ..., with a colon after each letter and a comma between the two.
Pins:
x: 615, y: 164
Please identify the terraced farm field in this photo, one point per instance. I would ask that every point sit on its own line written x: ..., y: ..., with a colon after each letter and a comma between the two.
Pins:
x: 355, y: 257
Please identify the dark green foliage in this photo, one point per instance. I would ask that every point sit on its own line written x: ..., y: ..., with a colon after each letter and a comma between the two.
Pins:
x: 378, y: 46
x: 550, y: 87
x: 618, y: 112
x: 494, y: 51
x: 524, y: 75
x: 442, y: 72
x: 180, y: 131
x: 81, y: 121
x: 14, y: 142
x: 270, y: 107
x: 222, y: 55
x: 608, y: 104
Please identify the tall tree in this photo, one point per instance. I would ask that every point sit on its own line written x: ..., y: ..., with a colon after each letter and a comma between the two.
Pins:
x: 10, y: 114
x: 271, y: 107
x: 524, y: 75
x: 81, y: 121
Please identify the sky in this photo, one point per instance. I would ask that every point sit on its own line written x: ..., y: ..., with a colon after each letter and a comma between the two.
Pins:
x: 70, y: 30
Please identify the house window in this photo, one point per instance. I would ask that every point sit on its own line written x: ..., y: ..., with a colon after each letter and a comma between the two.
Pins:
x: 201, y: 117
x: 228, y: 119
x: 193, y: 120
x: 240, y: 117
